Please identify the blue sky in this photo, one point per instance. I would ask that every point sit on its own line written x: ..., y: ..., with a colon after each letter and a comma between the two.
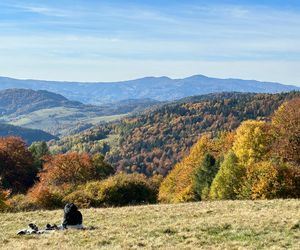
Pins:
x: 89, y: 40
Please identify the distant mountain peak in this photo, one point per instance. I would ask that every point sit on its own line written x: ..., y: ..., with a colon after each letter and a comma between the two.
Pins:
x: 198, y: 76
x: 151, y: 78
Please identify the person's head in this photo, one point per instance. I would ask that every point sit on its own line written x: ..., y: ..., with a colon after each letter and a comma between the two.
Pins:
x: 70, y: 208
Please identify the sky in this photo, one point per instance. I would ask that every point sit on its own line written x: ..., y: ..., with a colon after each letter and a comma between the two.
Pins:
x: 94, y: 40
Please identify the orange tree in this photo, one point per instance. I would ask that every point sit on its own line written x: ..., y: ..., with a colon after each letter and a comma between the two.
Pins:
x: 63, y: 173
x: 74, y: 168
x: 286, y: 123
x: 17, y: 170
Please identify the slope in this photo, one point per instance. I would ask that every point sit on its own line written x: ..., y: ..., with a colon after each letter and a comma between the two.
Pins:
x: 29, y: 135
x: 155, y: 140
x: 56, y: 114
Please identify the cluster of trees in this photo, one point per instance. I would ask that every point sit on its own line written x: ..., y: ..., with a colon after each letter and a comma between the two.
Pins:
x: 88, y: 181
x: 154, y: 141
x: 260, y: 160
x: 90, y: 141
x: 32, y: 178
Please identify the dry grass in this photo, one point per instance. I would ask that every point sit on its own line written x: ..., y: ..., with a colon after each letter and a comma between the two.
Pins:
x: 208, y: 225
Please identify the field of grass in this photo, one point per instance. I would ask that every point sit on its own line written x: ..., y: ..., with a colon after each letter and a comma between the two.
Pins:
x: 207, y: 225
x: 58, y: 120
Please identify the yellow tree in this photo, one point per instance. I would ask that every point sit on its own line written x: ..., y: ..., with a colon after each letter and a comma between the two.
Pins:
x: 179, y: 185
x: 269, y: 180
x: 253, y: 142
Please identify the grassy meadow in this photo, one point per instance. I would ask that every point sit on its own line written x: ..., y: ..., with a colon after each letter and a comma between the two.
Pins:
x: 271, y: 224
x: 59, y: 117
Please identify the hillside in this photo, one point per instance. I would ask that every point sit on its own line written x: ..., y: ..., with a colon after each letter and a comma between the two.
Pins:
x: 154, y: 141
x: 29, y: 135
x: 24, y: 101
x: 207, y: 225
x: 56, y: 114
x: 158, y: 88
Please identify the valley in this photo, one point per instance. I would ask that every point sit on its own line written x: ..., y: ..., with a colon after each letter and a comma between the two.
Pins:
x: 59, y: 116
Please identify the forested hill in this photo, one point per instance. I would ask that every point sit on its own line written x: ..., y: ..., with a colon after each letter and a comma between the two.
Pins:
x: 56, y: 114
x: 24, y: 101
x: 157, y: 139
x: 28, y: 135
x: 157, y: 88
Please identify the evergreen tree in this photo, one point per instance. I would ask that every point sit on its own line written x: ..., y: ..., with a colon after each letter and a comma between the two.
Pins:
x: 204, y: 175
x: 38, y: 151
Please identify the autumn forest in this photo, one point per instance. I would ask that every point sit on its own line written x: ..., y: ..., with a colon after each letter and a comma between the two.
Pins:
x: 211, y: 147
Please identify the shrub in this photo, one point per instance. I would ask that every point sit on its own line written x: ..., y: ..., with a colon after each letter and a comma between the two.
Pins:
x: 155, y: 182
x: 92, y: 188
x: 125, y: 189
x: 81, y: 198
x: 20, y: 202
x: 3, y: 196
x: 119, y: 190
x: 44, y: 197
x: 289, y: 177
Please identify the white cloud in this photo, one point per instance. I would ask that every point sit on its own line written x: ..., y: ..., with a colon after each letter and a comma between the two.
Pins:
x: 219, y: 40
x: 43, y: 11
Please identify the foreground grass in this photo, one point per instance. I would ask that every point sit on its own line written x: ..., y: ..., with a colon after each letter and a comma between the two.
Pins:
x: 207, y: 225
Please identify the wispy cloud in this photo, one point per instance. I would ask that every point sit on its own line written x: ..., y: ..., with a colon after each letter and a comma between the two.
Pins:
x: 43, y: 10
x: 101, y: 31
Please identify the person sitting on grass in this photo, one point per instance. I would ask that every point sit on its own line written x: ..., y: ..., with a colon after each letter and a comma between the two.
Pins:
x: 72, y: 217
x: 72, y: 220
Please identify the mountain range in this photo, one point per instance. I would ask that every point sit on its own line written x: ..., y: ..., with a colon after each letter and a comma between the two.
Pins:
x: 157, y: 88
